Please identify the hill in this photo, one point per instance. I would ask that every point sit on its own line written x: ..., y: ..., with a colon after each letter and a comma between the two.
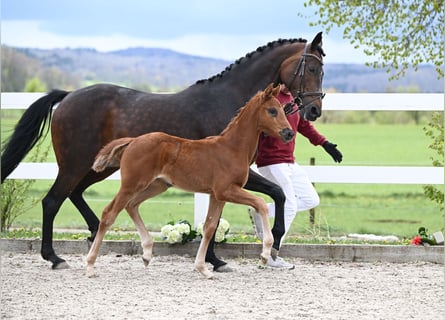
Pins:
x: 154, y: 69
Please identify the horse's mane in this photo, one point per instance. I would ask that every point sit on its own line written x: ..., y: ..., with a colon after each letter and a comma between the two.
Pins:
x: 270, y: 45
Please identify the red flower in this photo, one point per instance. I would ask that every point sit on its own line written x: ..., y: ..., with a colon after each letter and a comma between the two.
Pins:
x: 417, y: 240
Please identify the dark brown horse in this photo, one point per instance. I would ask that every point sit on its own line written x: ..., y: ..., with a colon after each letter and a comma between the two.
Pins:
x: 217, y: 165
x: 88, y: 118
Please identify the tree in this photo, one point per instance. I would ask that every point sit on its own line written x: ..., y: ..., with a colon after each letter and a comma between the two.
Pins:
x: 435, y: 131
x: 34, y: 85
x: 396, y: 33
x: 16, y: 69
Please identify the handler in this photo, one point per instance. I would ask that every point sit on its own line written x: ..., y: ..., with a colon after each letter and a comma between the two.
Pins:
x: 276, y: 162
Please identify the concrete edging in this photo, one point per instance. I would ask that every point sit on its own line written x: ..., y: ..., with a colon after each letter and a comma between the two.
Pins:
x: 311, y: 252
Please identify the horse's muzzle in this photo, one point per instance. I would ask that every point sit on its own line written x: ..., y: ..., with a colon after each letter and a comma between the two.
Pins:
x: 310, y: 112
x: 287, y: 135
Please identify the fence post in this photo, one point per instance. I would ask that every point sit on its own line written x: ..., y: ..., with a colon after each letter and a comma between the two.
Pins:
x: 312, y: 211
x: 201, y: 207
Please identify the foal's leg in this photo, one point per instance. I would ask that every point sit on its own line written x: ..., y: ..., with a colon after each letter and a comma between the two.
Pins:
x: 157, y: 187
x: 108, y: 217
x: 258, y: 183
x: 211, y: 222
x: 146, y: 238
x: 235, y: 194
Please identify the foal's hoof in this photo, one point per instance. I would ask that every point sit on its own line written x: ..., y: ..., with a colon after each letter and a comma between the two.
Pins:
x: 209, y: 275
x: 262, y: 263
x: 146, y: 262
x: 91, y: 273
x: 205, y: 272
x: 60, y: 265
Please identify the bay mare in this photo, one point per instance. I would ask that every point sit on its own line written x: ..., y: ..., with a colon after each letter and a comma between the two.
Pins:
x: 88, y: 118
x: 217, y: 165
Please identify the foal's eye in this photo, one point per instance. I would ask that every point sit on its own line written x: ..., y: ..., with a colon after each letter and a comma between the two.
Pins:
x: 273, y: 112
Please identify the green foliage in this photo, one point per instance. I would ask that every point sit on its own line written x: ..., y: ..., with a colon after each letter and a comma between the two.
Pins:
x: 396, y: 33
x: 14, y: 195
x: 35, y: 85
x: 16, y: 68
x: 435, y: 131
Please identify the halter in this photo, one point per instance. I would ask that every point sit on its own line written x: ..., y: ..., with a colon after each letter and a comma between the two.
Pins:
x: 298, y: 100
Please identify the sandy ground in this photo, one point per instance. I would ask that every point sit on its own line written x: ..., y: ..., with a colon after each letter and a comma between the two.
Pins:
x: 170, y: 289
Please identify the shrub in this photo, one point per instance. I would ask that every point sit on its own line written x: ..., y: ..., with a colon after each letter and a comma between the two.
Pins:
x: 14, y: 195
x: 435, y: 131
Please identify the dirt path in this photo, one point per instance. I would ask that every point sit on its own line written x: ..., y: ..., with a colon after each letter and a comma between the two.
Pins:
x: 170, y: 289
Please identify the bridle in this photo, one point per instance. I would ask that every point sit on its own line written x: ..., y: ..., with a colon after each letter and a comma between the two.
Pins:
x: 299, y: 71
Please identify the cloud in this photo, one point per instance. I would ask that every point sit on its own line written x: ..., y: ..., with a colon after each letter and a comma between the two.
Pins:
x: 31, y: 33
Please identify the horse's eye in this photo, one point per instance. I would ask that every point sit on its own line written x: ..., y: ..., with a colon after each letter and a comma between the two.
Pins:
x: 312, y: 69
x: 273, y: 112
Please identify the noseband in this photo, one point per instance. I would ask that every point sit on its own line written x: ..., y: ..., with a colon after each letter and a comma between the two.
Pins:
x: 298, y: 100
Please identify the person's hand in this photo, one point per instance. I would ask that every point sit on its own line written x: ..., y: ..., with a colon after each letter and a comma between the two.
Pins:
x: 331, y: 148
x: 289, y: 108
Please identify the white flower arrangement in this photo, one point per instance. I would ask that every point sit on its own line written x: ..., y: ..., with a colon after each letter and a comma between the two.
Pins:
x: 221, y: 232
x: 179, y: 232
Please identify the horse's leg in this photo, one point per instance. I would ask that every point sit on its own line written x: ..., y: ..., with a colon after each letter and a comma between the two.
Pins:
x: 108, y: 217
x: 238, y: 195
x: 51, y: 203
x: 212, y: 220
x: 89, y: 216
x: 258, y: 183
x: 218, y: 264
x: 157, y: 187
x: 79, y: 202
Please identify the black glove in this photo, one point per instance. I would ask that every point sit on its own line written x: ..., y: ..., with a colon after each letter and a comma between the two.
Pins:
x: 331, y: 148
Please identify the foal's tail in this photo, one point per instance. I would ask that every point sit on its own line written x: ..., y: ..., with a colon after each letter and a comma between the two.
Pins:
x: 110, y: 155
x: 31, y: 127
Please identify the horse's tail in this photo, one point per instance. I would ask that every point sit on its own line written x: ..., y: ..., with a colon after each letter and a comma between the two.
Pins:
x: 110, y: 155
x: 31, y: 127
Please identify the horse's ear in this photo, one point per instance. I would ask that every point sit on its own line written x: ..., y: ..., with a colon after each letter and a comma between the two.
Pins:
x: 316, y: 42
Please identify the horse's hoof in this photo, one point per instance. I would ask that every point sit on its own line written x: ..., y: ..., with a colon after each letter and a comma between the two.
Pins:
x: 223, y: 268
x: 274, y: 253
x: 60, y: 265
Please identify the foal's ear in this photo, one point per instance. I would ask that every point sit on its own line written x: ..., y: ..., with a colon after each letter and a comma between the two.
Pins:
x: 316, y: 42
x: 276, y: 91
x: 269, y: 90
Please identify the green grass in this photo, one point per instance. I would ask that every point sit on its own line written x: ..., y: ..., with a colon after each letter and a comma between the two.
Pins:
x: 345, y: 208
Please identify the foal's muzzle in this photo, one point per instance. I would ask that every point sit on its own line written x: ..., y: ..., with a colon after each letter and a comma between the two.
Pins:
x: 287, y: 135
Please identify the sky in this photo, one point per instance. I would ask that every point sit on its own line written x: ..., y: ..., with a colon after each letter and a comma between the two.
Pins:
x: 224, y: 29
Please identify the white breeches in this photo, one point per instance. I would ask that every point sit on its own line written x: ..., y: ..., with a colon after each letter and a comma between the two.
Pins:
x: 300, y: 193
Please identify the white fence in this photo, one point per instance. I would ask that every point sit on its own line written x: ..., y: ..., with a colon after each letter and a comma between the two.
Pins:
x: 318, y: 174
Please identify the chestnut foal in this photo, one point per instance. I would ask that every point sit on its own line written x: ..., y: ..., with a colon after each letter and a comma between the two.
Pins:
x: 217, y: 165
